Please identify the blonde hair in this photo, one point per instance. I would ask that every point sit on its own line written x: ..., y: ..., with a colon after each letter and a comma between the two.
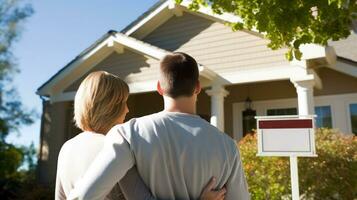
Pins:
x: 100, y: 100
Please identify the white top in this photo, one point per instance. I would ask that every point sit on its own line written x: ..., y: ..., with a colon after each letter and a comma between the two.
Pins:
x: 74, y: 159
x: 176, y: 154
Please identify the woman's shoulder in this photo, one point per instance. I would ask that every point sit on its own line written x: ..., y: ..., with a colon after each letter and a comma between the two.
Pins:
x: 83, y: 140
x: 72, y: 143
x: 66, y: 147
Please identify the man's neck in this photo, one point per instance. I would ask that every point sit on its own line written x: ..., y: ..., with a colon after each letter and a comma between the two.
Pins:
x: 180, y: 104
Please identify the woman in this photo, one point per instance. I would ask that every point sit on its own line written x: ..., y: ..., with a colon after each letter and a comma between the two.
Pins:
x: 100, y: 103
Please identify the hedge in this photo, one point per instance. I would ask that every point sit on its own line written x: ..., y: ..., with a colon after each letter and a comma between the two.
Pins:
x: 331, y: 175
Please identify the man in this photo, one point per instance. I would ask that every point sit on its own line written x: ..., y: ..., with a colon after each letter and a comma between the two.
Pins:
x: 175, y: 151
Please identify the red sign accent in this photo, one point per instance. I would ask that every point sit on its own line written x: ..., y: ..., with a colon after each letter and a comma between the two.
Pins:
x: 293, y: 123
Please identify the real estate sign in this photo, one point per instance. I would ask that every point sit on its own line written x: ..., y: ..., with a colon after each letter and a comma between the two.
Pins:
x: 286, y: 136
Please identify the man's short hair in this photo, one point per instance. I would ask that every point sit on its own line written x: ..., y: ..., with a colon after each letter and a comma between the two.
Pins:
x: 178, y: 75
x: 99, y: 102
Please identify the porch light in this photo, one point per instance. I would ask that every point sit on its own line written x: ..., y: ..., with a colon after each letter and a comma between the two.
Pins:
x: 248, y: 104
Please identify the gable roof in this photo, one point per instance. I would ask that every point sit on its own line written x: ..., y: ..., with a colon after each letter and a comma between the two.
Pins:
x: 123, y: 38
x: 346, y: 48
x: 110, y: 39
x: 165, y: 5
x: 106, y: 40
x: 142, y: 16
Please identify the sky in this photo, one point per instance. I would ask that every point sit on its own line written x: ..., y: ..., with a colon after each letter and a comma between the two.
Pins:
x: 56, y: 33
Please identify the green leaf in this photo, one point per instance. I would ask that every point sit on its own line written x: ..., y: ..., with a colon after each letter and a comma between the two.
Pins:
x: 237, y: 26
x: 297, y: 54
x: 289, y: 55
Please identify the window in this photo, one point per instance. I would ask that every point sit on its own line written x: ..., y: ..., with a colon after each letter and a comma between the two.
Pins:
x: 324, y: 117
x: 282, y: 111
x: 353, y: 113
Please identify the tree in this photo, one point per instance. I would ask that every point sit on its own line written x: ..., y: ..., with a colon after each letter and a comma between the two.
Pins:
x: 289, y: 23
x: 12, y: 112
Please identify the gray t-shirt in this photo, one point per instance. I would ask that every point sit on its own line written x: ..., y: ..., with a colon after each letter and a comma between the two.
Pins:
x: 175, y: 153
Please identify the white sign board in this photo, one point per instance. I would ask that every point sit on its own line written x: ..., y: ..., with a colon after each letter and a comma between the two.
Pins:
x: 286, y: 136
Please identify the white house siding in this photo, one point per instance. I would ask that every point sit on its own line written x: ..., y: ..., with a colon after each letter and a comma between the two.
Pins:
x: 130, y: 66
x: 214, y: 44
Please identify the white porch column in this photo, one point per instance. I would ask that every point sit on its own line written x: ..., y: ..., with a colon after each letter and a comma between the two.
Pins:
x: 217, y: 93
x: 304, y: 90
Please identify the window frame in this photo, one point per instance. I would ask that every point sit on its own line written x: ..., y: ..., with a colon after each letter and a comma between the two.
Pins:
x: 349, y: 114
x: 269, y: 109
x: 332, y: 118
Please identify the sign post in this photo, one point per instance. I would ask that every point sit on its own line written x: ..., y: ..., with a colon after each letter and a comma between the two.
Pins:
x: 291, y: 136
x: 294, y: 178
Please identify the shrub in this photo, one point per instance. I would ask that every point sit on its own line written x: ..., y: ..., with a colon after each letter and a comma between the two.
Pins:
x: 17, y: 174
x: 331, y: 175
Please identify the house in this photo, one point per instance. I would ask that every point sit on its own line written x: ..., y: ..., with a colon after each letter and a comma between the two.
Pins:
x: 240, y: 75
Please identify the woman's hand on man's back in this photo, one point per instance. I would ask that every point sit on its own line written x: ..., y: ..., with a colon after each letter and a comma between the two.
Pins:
x: 209, y: 193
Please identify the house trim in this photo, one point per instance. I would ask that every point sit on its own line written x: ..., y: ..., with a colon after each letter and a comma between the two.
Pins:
x: 128, y: 31
x: 206, y: 11
x: 138, y: 86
